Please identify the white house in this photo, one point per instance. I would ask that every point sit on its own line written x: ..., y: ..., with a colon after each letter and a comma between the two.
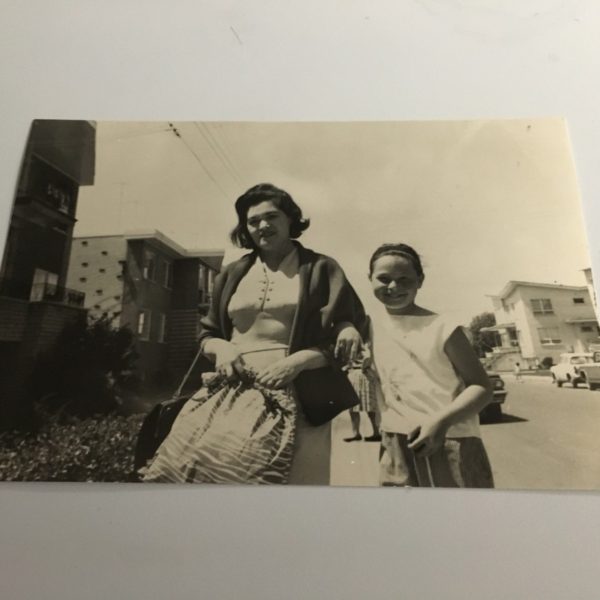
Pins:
x: 539, y: 320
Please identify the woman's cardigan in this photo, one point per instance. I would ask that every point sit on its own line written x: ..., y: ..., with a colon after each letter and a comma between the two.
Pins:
x: 325, y: 300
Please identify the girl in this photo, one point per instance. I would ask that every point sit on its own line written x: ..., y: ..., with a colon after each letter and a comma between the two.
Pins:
x: 432, y: 381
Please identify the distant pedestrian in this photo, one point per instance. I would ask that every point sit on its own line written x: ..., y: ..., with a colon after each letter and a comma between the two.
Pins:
x: 518, y: 374
x: 364, y: 381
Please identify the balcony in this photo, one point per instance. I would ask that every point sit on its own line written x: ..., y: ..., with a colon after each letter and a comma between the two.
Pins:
x: 41, y: 292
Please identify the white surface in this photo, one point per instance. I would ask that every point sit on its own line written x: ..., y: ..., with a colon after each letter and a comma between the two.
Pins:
x: 433, y: 59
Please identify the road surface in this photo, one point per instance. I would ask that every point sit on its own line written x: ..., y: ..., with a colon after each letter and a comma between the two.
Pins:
x: 549, y: 439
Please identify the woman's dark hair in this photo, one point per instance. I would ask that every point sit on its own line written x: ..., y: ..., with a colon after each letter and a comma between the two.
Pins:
x: 261, y: 193
x: 403, y: 250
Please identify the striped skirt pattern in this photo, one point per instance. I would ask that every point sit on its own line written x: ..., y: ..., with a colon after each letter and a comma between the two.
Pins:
x: 365, y: 386
x: 229, y: 434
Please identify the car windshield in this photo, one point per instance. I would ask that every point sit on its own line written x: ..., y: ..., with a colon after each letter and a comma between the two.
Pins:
x: 579, y: 360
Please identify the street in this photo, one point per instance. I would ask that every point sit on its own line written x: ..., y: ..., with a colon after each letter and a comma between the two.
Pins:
x: 549, y: 438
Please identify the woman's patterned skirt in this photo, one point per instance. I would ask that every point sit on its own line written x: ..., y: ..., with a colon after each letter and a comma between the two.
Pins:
x: 243, y: 433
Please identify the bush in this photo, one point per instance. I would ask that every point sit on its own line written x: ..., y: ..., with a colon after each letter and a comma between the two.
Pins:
x: 96, y: 449
x: 547, y: 362
x: 87, y: 371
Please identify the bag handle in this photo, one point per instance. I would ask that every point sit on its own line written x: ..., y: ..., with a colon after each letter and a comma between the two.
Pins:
x: 177, y: 393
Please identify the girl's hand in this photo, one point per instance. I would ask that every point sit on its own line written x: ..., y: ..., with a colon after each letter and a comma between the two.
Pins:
x: 427, y: 438
x: 280, y: 373
x: 348, y: 344
x: 228, y: 361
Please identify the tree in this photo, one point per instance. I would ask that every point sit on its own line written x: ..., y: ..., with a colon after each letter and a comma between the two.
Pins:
x: 483, y: 341
x: 87, y: 369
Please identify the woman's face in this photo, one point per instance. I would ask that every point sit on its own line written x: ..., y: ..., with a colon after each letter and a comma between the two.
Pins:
x: 395, y: 282
x: 268, y: 226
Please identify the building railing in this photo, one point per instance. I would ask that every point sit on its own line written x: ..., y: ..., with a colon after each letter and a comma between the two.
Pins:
x: 41, y: 292
x: 47, y: 292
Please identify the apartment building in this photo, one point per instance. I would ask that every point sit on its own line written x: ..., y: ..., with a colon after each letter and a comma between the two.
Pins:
x: 146, y: 281
x: 538, y: 320
x: 35, y: 303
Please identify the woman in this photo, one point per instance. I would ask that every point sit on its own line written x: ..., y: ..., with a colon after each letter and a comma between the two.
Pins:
x: 275, y: 314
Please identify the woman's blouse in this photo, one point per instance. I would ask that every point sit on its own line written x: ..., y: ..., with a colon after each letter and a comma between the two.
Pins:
x: 263, y: 307
x: 416, y: 375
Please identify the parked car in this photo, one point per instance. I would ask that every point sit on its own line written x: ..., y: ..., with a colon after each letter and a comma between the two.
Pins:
x: 568, y: 369
x: 589, y: 373
x: 493, y: 411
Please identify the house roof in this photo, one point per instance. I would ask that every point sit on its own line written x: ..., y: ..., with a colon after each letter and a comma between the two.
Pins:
x: 508, y: 289
x: 213, y: 257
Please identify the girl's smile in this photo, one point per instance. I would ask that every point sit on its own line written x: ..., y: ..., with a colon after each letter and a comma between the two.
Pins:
x: 395, y: 283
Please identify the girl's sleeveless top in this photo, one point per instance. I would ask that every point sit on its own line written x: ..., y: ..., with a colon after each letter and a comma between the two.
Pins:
x: 416, y: 375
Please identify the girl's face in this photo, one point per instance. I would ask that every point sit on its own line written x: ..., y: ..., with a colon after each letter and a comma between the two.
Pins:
x: 268, y: 226
x: 395, y: 283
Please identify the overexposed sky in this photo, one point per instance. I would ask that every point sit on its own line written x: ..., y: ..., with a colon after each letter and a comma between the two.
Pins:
x: 484, y: 202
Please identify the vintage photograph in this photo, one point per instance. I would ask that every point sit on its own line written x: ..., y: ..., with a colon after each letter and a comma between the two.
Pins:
x: 303, y: 303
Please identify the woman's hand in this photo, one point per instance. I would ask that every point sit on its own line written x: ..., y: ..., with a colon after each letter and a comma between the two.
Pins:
x: 228, y: 360
x: 348, y: 344
x: 280, y: 373
x: 428, y: 438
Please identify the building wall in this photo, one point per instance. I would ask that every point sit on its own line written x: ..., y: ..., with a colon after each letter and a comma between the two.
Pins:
x: 96, y: 268
x: 518, y: 309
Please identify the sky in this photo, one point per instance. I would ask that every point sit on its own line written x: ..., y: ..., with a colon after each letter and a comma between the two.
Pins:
x: 483, y: 202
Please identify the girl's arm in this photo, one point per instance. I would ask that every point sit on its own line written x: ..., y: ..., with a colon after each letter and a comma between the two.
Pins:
x: 478, y: 389
x: 477, y: 394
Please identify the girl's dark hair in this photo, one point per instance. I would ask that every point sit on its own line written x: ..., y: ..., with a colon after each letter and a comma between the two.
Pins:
x: 261, y: 193
x: 403, y: 250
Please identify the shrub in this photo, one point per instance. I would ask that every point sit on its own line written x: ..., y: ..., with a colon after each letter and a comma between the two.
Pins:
x: 87, y: 371
x: 95, y: 449
x: 547, y: 362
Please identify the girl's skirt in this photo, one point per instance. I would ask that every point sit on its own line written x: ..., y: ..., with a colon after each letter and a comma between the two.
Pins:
x: 242, y: 433
x: 461, y: 462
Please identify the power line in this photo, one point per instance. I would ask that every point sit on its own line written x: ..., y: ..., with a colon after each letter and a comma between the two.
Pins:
x: 199, y: 160
x: 218, y: 150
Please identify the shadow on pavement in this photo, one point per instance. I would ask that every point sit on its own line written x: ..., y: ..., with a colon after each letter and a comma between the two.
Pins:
x: 505, y: 418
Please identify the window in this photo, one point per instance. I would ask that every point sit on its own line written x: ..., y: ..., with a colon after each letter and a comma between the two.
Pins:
x: 117, y: 297
x: 211, y: 281
x: 542, y: 306
x: 83, y: 279
x: 43, y: 286
x: 168, y: 274
x: 549, y: 335
x: 149, y: 269
x: 99, y: 292
x: 587, y: 328
x: 102, y: 270
x: 143, y: 324
x: 578, y: 300
x: 84, y: 264
x: 84, y: 243
x: 104, y: 253
x: 162, y: 327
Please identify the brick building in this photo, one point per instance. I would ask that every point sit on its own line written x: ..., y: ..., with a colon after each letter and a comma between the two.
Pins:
x: 34, y: 302
x: 147, y: 282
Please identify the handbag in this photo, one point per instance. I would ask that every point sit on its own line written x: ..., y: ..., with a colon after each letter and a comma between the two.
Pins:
x: 324, y: 393
x: 158, y: 422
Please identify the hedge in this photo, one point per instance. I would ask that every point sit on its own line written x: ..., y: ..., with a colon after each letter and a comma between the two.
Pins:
x: 94, y: 449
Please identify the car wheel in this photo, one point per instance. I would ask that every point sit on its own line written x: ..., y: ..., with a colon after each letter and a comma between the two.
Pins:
x: 593, y: 386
